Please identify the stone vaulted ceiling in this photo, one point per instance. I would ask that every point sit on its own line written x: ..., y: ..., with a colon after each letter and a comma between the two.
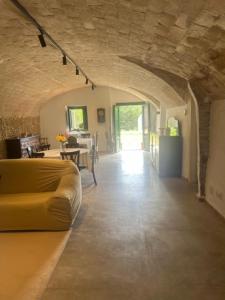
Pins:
x: 147, y: 46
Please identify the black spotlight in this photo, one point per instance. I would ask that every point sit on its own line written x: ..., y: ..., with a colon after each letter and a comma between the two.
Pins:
x: 77, y: 71
x: 64, y: 59
x: 42, y: 40
x: 86, y: 81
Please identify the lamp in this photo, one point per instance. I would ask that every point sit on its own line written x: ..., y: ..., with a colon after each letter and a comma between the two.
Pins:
x: 42, y: 40
x: 64, y: 59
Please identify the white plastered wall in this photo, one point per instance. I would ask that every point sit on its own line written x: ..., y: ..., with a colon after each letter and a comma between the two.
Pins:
x: 215, y: 182
x: 53, y: 113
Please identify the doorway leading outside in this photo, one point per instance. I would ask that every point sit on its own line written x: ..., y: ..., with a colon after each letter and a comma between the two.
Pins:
x: 128, y: 126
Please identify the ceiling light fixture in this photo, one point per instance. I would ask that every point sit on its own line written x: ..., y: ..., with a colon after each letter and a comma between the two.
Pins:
x: 45, y: 35
x: 64, y: 60
x: 42, y: 39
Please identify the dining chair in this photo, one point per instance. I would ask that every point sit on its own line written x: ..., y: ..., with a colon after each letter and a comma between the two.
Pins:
x: 72, y: 155
x: 72, y: 142
x: 43, y: 140
x: 37, y: 155
x: 29, y: 151
x: 33, y: 154
x: 83, y: 146
x: 44, y: 147
x: 93, y: 160
x: 95, y: 144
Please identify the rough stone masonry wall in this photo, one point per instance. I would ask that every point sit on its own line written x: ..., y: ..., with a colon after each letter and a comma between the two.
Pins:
x: 16, y: 126
x: 204, y: 125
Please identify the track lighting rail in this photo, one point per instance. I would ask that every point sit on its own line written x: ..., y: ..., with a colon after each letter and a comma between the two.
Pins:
x: 44, y: 34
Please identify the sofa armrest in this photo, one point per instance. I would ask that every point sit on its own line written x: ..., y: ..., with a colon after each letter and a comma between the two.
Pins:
x: 75, y: 168
x: 65, y: 201
x: 69, y: 186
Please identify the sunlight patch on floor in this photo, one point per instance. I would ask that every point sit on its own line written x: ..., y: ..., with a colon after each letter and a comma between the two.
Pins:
x: 132, y: 162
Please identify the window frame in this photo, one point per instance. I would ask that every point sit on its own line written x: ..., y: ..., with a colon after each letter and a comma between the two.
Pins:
x: 85, y: 117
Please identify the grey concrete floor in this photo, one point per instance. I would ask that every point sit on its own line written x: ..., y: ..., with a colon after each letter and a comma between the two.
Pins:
x: 139, y: 237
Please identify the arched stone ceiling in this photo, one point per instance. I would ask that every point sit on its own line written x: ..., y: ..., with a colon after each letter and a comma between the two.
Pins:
x: 128, y: 44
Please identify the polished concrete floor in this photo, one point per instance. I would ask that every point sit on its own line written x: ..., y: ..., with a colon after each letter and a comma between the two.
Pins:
x: 139, y: 237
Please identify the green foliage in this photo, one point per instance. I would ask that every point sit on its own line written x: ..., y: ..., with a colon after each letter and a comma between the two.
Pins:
x: 129, y: 116
x: 77, y: 118
x: 173, y: 131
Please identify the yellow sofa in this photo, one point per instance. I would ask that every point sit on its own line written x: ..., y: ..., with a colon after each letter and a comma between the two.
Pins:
x: 38, y: 194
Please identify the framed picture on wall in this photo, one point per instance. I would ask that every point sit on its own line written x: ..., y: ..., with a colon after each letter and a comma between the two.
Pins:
x: 101, y: 115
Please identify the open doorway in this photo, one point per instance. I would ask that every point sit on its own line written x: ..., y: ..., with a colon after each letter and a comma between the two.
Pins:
x: 129, y: 126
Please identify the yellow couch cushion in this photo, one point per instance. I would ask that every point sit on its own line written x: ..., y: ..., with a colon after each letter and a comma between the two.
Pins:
x: 32, y: 175
x: 36, y: 211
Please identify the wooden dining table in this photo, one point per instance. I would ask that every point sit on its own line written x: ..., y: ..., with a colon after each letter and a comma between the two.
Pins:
x: 84, y: 155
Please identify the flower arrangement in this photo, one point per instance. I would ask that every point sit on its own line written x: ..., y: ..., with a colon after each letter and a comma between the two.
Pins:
x: 62, y: 139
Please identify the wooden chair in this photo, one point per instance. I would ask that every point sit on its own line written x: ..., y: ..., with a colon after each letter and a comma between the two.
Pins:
x: 72, y: 145
x: 43, y: 141
x: 72, y: 155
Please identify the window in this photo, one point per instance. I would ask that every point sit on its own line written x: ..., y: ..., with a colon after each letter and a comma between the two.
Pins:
x: 77, y: 118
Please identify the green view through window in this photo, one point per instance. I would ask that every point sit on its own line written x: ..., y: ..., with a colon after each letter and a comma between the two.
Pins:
x: 77, y: 118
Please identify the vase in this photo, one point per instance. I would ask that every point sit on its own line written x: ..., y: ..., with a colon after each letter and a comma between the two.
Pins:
x: 62, y: 147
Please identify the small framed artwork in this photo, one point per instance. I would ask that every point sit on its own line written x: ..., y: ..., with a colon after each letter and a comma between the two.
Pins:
x: 101, y: 115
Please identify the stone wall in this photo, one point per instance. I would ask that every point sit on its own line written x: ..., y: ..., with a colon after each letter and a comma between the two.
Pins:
x: 204, y: 126
x: 16, y: 126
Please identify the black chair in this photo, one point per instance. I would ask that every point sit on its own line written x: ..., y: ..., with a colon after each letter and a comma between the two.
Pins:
x: 72, y: 155
x: 29, y: 151
x: 37, y: 155
x: 44, y: 147
x: 33, y: 154
x: 77, y: 145
x: 72, y: 145
x: 83, y: 146
x: 72, y: 142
